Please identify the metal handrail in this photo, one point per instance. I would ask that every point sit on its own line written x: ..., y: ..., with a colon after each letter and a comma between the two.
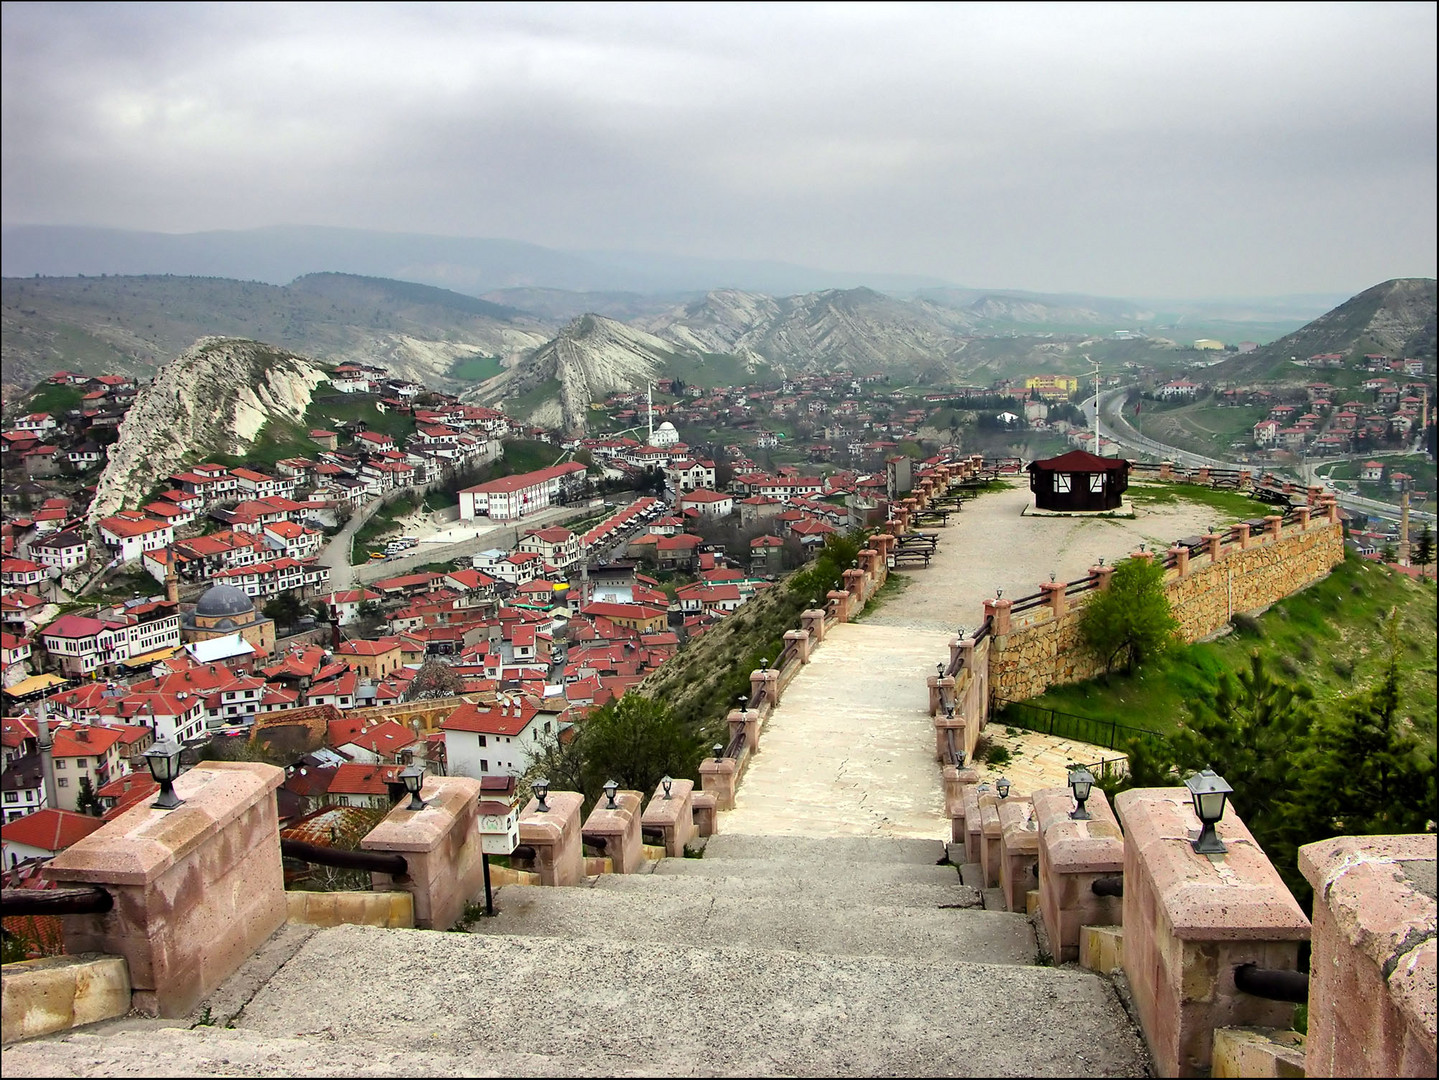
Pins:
x: 81, y: 900
x: 377, y: 862
x: 985, y: 630
x: 1107, y: 886
x: 1274, y: 984
x: 736, y: 745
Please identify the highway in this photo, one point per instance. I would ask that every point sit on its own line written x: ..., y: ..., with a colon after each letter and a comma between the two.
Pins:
x: 1117, y: 428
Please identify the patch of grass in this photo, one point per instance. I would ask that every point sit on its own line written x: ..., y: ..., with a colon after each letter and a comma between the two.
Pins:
x: 476, y: 368
x: 1230, y: 505
x: 55, y: 400
x: 521, y: 405
x: 1329, y: 636
x: 331, y: 410
x: 894, y: 585
x: 1202, y: 427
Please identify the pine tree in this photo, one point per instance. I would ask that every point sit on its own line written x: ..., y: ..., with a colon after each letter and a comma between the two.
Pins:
x: 86, y: 802
x: 1424, y: 550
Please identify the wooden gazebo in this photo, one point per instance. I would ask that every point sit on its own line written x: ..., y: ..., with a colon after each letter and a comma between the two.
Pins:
x: 1078, y: 480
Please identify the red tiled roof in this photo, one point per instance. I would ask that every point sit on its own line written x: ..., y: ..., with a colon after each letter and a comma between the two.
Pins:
x: 50, y: 830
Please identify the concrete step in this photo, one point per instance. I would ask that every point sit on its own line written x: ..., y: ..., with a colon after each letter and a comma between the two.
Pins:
x: 805, y: 924
x: 621, y: 1006
x: 799, y: 850
x: 916, y: 894
x: 839, y: 873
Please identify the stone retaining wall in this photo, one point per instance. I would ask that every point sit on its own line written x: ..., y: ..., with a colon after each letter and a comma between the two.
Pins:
x: 1049, y: 651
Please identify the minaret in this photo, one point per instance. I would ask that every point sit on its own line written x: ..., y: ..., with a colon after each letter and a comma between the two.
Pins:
x: 1404, y: 525
x: 650, y: 409
x: 47, y: 754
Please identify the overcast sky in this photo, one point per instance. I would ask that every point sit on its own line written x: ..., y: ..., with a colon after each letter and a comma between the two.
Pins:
x: 1121, y: 150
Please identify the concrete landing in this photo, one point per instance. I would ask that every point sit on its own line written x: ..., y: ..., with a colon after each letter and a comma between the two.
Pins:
x: 850, y: 750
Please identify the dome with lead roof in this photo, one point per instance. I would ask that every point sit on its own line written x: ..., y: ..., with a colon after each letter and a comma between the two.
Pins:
x: 220, y: 601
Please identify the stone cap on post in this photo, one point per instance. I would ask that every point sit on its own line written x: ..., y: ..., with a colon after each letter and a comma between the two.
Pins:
x: 448, y: 801
x: 661, y: 811
x: 606, y: 822
x: 1232, y: 897
x: 1378, y: 899
x: 550, y: 826
x: 1095, y: 846
x: 1016, y: 819
x: 141, y: 844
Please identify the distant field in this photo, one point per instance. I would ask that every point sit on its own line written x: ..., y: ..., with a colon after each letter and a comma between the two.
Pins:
x: 1201, y: 427
x: 476, y: 368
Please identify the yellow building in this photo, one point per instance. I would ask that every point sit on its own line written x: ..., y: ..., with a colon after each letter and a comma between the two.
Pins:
x: 1209, y: 343
x: 1067, y: 383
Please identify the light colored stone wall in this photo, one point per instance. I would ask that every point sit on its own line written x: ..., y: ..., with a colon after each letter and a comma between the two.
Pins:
x: 392, y: 910
x: 1046, y: 651
x: 56, y: 993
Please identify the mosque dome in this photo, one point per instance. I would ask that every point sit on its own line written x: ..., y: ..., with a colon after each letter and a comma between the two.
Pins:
x: 219, y: 601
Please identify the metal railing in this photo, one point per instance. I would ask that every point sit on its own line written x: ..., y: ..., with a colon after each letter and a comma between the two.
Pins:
x: 82, y: 900
x: 736, y: 745
x: 1107, y: 733
x: 1273, y: 984
x: 376, y: 862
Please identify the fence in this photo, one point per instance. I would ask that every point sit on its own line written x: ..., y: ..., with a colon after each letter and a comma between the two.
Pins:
x: 1106, y: 733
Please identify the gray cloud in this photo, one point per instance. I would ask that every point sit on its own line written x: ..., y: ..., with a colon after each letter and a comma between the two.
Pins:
x: 1120, y: 149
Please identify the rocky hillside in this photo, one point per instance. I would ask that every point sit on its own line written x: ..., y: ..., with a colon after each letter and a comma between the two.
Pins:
x: 591, y: 357
x: 213, y: 398
x: 135, y: 324
x: 1396, y: 318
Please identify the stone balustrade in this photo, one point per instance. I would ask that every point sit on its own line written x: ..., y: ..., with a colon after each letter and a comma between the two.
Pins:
x: 1190, y: 920
x: 1072, y: 856
x: 441, y: 847
x: 991, y: 836
x: 617, y: 832
x: 1372, y: 996
x: 555, y: 836
x: 719, y: 779
x: 1019, y: 851
x: 672, y: 815
x: 956, y: 782
x: 197, y: 889
x: 706, y: 809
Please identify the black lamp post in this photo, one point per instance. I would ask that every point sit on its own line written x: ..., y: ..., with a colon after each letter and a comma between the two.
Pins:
x: 1208, y: 791
x: 610, y: 788
x: 1002, y: 785
x: 413, y: 777
x: 939, y: 669
x: 666, y: 783
x: 542, y: 788
x: 744, y: 705
x: 718, y: 750
x: 1081, y: 782
x: 163, y: 758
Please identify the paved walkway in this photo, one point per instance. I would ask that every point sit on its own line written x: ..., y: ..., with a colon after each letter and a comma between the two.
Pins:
x: 850, y: 750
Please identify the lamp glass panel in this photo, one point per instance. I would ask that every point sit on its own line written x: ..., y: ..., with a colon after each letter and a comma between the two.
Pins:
x: 1211, y: 805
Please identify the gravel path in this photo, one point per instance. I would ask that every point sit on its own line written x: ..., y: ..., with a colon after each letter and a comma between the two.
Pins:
x: 990, y: 545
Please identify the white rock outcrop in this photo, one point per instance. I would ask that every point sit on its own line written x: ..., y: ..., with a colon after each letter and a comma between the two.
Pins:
x: 213, y: 398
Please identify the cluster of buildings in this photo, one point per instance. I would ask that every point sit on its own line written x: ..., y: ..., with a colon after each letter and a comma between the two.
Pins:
x: 1333, y: 421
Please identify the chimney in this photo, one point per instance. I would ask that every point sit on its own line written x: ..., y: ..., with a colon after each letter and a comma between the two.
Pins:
x: 172, y: 581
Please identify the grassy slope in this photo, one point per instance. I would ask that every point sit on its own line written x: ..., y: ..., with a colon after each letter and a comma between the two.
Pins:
x: 1329, y: 637
x: 1201, y: 427
x: 1228, y: 505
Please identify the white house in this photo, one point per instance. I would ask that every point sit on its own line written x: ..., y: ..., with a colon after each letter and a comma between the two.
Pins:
x: 511, y: 497
x: 130, y: 534
x: 500, y: 739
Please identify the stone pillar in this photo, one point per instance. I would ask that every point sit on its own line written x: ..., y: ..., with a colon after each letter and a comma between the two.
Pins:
x: 1072, y: 856
x: 998, y: 611
x: 718, y: 779
x: 1139, y: 553
x: 673, y: 816
x: 555, y: 836
x: 1101, y: 576
x: 839, y: 602
x: 1239, y: 533
x: 1371, y: 976
x: 1166, y: 470
x: 991, y: 830
x: 885, y: 543
x: 1274, y: 525
x: 705, y: 811
x: 764, y: 686
x: 1331, y: 509
x: 1302, y: 513
x: 1314, y: 494
x: 617, y: 831
x: 1190, y: 920
x: 956, y: 782
x: 197, y: 889
x: 1054, y: 596
x: 801, y: 643
x: 813, y: 622
x: 441, y: 847
x: 746, y: 720
x: 944, y: 723
x: 961, y: 649
x: 1181, y: 559
x: 854, y: 585
x: 1246, y: 479
x: 1215, y: 543
x: 973, y: 830
x: 1019, y: 851
x: 1203, y: 477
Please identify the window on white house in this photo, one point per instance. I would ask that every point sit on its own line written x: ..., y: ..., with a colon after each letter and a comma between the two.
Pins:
x: 63, y: 781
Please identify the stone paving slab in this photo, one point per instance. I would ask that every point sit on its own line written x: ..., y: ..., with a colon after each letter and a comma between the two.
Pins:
x: 837, y: 872
x: 798, y: 923
x: 824, y: 851
x: 837, y: 891
x: 721, y: 1009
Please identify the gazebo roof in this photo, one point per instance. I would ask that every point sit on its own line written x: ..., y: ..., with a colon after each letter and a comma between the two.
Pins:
x: 1079, y: 461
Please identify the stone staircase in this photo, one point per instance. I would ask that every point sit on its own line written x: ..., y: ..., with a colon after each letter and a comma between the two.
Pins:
x: 772, y: 955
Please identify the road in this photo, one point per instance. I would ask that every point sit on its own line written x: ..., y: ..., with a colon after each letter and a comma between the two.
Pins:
x: 1116, y: 427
